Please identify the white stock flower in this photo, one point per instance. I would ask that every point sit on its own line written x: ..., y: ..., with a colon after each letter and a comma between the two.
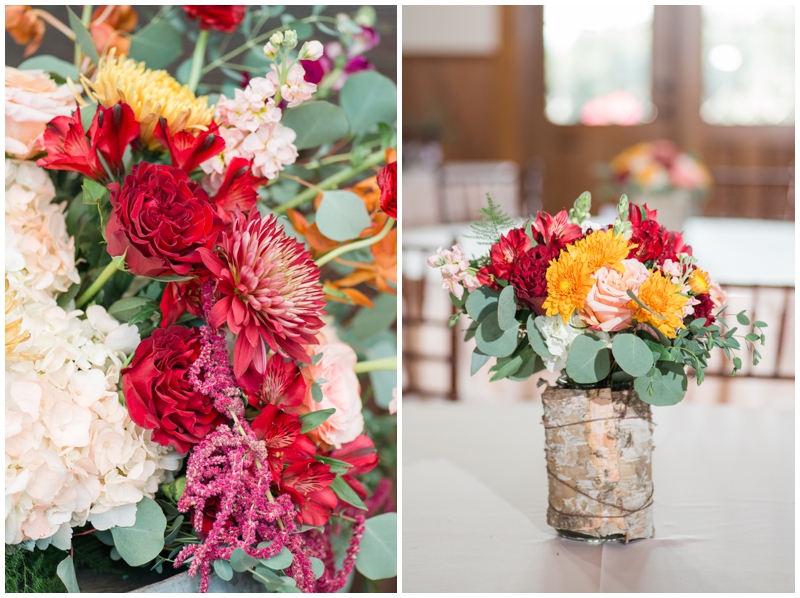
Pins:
x: 311, y: 50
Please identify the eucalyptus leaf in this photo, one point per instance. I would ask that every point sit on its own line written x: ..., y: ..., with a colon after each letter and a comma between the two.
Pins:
x: 479, y: 359
x: 316, y: 123
x: 124, y: 309
x: 316, y: 392
x: 495, y: 341
x: 588, y: 360
x: 530, y: 366
x: 368, y: 98
x: 51, y: 64
x: 341, y: 215
x: 507, y: 309
x: 223, y: 569
x: 377, y: 558
x: 158, y: 45
x: 280, y: 561
x: 82, y: 36
x: 481, y: 302
x: 241, y: 561
x: 632, y: 354
x: 536, y: 338
x: 66, y: 573
x: 663, y: 385
x: 508, y: 367
x: 317, y: 566
x: 141, y: 542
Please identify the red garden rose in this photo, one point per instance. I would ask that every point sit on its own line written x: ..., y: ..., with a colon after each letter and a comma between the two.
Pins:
x: 387, y: 181
x: 529, y: 276
x: 159, y: 395
x: 159, y: 219
x: 221, y: 18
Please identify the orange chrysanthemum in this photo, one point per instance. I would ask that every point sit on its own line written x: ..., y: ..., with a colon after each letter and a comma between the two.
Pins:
x: 602, y: 248
x: 569, y: 280
x: 699, y: 282
x: 665, y: 302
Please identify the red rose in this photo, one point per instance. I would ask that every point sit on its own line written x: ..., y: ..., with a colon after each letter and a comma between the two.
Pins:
x: 159, y: 395
x: 387, y: 181
x: 159, y: 219
x: 529, y: 276
x: 221, y: 18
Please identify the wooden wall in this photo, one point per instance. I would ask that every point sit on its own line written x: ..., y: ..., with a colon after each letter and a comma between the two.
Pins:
x: 493, y: 108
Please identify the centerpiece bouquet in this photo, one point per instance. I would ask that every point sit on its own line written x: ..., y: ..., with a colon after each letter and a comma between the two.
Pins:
x: 621, y: 312
x: 193, y: 287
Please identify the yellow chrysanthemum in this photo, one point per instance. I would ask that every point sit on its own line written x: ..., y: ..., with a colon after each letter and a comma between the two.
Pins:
x: 662, y: 297
x: 569, y: 281
x: 14, y: 332
x: 151, y: 94
x: 602, y: 248
x: 698, y: 282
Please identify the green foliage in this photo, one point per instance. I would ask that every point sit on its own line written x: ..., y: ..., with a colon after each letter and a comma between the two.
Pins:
x: 33, y: 571
x: 582, y: 208
x: 377, y: 558
x: 495, y: 341
x: 66, y: 573
x: 61, y: 69
x: 536, y: 338
x: 479, y: 359
x: 481, y: 302
x: 158, y: 44
x: 316, y: 123
x: 368, y: 98
x: 632, y: 354
x: 341, y: 215
x: 494, y: 221
x: 507, y: 309
x: 82, y: 36
x: 346, y: 493
x: 588, y: 360
x: 143, y: 541
x: 663, y: 385
x: 314, y: 419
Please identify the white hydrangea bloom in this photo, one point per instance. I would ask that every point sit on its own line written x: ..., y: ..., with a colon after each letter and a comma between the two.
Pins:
x: 559, y: 337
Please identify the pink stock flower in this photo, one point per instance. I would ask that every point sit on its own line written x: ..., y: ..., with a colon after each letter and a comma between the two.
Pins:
x: 295, y: 89
x: 455, y: 270
x: 270, y: 294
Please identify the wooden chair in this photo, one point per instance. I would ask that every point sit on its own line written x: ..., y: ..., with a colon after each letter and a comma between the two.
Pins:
x: 752, y: 192
x: 463, y: 187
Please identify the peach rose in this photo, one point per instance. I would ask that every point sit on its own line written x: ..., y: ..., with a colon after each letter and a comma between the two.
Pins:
x: 606, y: 305
x: 32, y: 100
x: 340, y: 391
x: 718, y: 296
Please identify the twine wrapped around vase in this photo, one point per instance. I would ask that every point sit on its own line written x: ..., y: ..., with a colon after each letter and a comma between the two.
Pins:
x: 598, y: 446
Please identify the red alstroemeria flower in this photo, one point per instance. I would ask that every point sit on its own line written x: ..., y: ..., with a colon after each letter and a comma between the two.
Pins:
x: 68, y: 149
x: 179, y: 297
x: 280, y: 431
x: 556, y: 231
x: 222, y: 18
x: 307, y: 482
x: 281, y: 384
x: 507, y: 252
x: 112, y: 130
x: 238, y: 190
x: 270, y: 292
x: 188, y: 151
x: 361, y: 454
x: 487, y: 276
x: 673, y: 245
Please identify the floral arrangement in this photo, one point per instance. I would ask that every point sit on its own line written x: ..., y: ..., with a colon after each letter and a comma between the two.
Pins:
x: 658, y: 167
x: 607, y: 306
x: 194, y: 284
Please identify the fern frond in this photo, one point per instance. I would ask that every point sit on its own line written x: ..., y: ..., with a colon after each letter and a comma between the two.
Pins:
x: 494, y: 221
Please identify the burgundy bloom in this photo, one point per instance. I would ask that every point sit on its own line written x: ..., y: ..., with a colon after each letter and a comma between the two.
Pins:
x: 158, y: 393
x: 238, y: 190
x: 188, y: 151
x: 159, y: 220
x: 358, y: 64
x: 361, y: 454
x: 316, y: 69
x: 307, y: 482
x: 280, y: 431
x: 224, y: 18
x: 529, y: 276
x: 705, y: 309
x: 507, y: 252
x: 281, y: 384
x: 387, y: 181
x: 270, y: 292
x: 556, y: 231
x: 67, y: 147
x: 112, y: 130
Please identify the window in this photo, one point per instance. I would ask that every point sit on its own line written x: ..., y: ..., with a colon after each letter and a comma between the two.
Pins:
x: 748, y: 65
x: 598, y: 64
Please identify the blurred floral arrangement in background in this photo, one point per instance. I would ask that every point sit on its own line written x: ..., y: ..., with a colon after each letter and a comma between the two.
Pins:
x: 659, y: 167
x: 200, y: 298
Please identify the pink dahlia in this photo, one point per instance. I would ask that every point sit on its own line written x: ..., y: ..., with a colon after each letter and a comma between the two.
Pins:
x: 269, y: 289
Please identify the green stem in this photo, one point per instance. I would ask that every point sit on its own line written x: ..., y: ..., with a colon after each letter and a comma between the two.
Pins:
x: 197, y: 60
x: 356, y: 244
x: 387, y: 363
x: 95, y: 287
x: 252, y: 44
x: 86, y: 17
x: 332, y: 181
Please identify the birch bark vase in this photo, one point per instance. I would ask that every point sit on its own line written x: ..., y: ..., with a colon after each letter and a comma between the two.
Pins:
x: 598, y: 446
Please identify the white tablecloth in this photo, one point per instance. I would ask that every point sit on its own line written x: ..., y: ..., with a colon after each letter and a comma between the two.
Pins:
x: 475, y: 503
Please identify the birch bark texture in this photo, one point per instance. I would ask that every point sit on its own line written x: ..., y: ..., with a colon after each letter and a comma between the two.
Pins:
x: 598, y: 446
